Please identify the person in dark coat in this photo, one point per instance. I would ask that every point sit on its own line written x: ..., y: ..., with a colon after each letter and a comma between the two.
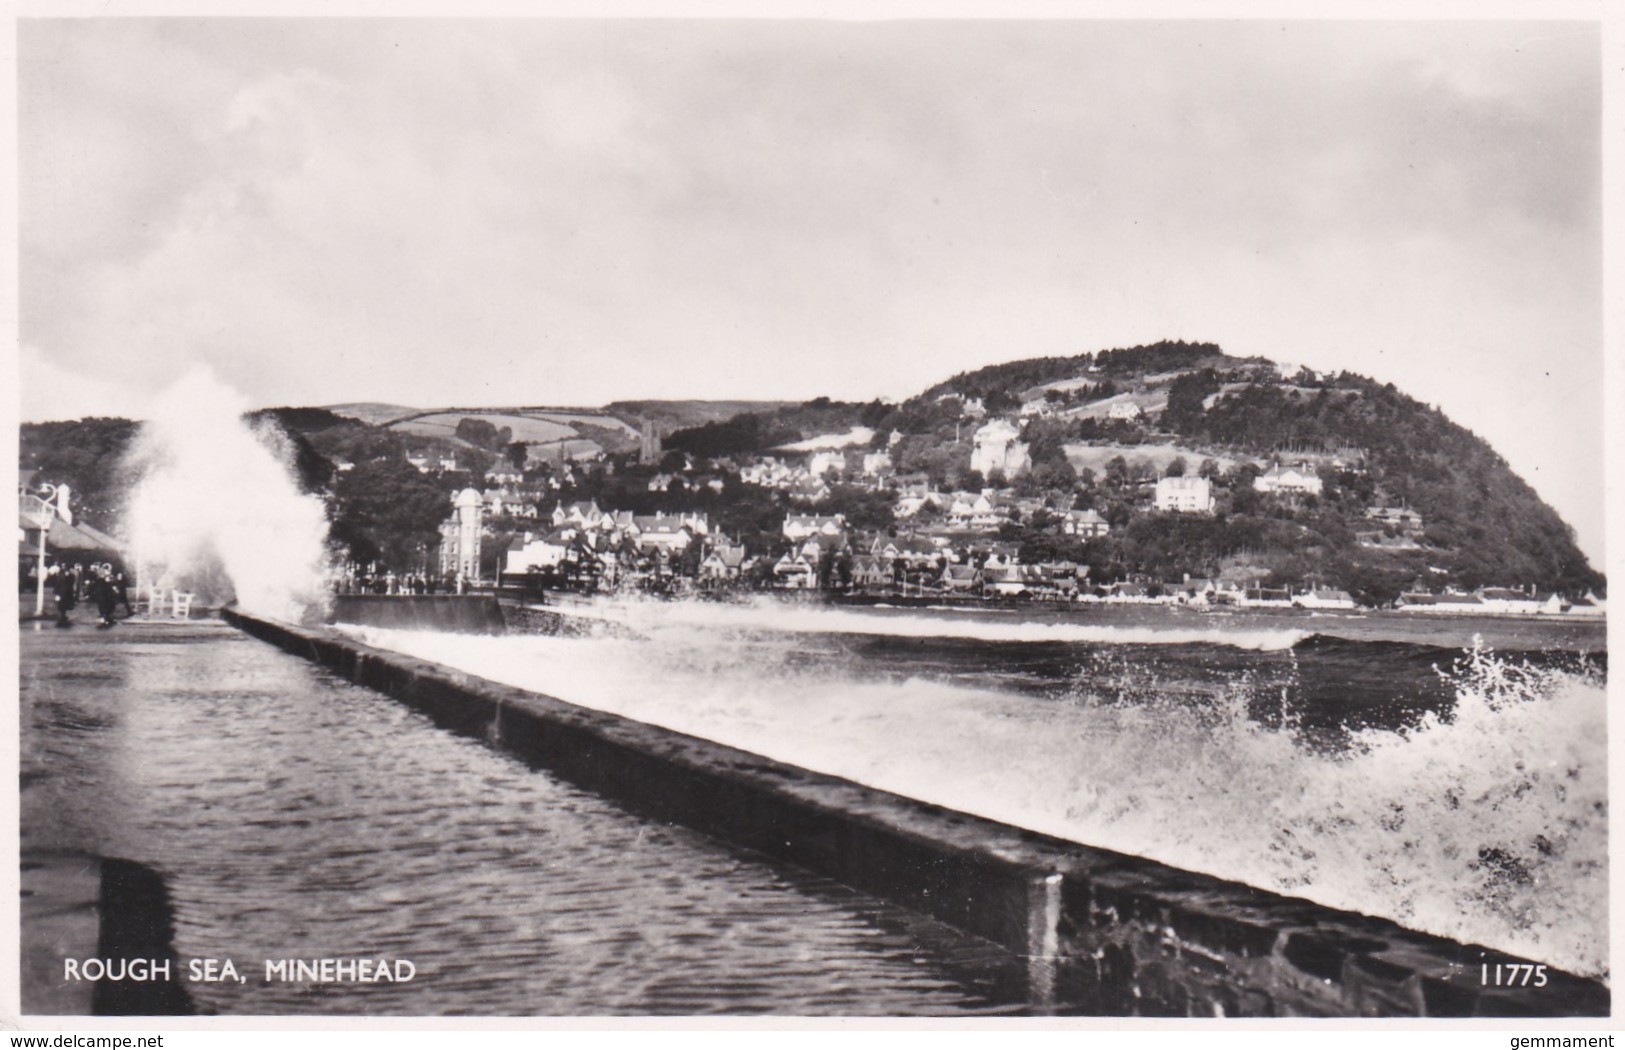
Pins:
x: 65, y: 584
x: 104, y: 594
x: 121, y: 585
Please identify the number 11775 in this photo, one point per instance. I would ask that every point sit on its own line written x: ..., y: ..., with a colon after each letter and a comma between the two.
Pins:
x: 1513, y: 975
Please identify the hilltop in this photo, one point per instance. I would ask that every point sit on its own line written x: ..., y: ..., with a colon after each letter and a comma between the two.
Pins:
x: 1400, y: 495
x: 1291, y: 478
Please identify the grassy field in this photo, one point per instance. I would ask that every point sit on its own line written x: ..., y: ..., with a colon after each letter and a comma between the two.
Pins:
x: 525, y: 428
x: 1095, y: 457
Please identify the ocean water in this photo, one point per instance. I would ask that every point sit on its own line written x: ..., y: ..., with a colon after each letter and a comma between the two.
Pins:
x: 292, y: 814
x: 1394, y: 769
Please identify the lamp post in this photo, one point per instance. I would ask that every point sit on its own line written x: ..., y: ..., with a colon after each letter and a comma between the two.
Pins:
x: 45, y: 529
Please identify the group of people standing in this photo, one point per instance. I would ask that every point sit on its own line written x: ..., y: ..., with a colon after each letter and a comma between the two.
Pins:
x: 100, y: 583
x: 389, y: 583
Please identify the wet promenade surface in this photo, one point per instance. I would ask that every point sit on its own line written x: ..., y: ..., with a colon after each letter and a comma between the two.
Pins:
x: 295, y: 816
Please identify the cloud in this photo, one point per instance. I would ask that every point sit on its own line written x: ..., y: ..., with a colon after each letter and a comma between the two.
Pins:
x: 576, y: 211
x: 50, y: 391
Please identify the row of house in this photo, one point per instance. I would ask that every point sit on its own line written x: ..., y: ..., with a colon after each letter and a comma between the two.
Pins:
x: 427, y: 464
x: 953, y: 566
x: 1067, y: 581
x: 988, y: 509
x: 1203, y: 592
x: 1194, y: 495
x: 583, y: 531
x: 782, y: 473
x: 1499, y: 601
x: 796, y: 571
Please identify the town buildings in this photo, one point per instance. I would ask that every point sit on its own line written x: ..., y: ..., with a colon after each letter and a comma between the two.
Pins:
x: 1011, y: 537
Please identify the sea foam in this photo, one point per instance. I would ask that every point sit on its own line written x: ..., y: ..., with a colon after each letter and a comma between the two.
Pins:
x: 767, y: 614
x: 215, y: 510
x: 1487, y: 825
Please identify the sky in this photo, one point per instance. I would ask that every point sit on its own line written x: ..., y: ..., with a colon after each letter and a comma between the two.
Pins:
x: 577, y: 211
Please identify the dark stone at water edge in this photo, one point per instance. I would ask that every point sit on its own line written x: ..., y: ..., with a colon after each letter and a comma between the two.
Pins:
x: 101, y: 913
x: 137, y: 923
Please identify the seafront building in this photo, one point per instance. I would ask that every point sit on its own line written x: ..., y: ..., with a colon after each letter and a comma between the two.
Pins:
x: 462, y: 535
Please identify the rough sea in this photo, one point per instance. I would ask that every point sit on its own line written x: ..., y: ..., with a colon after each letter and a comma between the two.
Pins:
x: 1449, y: 775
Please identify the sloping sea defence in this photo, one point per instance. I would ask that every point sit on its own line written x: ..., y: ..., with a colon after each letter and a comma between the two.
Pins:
x: 1104, y: 932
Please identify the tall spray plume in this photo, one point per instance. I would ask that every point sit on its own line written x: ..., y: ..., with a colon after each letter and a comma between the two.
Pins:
x: 215, y: 509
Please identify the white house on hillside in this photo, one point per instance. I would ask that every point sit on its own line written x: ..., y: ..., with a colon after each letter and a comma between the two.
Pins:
x: 1399, y: 517
x: 876, y: 463
x: 1185, y: 495
x: 825, y: 460
x: 1084, y: 523
x: 997, y: 449
x: 1289, y: 479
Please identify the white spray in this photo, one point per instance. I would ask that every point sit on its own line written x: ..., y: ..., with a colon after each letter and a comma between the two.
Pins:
x: 215, y: 510
x: 1488, y: 825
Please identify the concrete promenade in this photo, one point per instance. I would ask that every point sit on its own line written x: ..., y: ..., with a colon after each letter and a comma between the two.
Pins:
x: 76, y: 905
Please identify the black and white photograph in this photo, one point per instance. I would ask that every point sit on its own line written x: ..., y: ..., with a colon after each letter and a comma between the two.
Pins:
x: 969, y: 515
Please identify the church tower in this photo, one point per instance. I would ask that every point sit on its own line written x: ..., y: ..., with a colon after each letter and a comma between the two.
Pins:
x: 649, y: 443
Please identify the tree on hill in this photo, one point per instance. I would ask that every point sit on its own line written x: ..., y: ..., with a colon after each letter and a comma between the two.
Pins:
x: 1185, y: 396
x: 944, y: 462
x: 746, y: 432
x: 863, y: 508
x: 87, y: 455
x: 384, y: 509
x: 482, y: 433
x: 922, y: 417
x: 358, y: 442
x: 302, y: 420
x: 1006, y: 380
x: 1164, y: 356
x: 1493, y: 527
x: 1055, y: 473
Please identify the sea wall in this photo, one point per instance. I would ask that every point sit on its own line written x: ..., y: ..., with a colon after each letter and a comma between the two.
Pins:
x: 1103, y: 933
x: 459, y: 613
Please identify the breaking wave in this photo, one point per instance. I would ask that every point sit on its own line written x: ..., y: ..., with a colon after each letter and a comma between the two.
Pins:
x: 215, y: 508
x: 768, y: 614
x: 1486, y: 823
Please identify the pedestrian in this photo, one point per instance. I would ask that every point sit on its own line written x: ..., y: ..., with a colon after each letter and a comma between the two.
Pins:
x: 66, y: 586
x: 122, y: 585
x: 104, y: 594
